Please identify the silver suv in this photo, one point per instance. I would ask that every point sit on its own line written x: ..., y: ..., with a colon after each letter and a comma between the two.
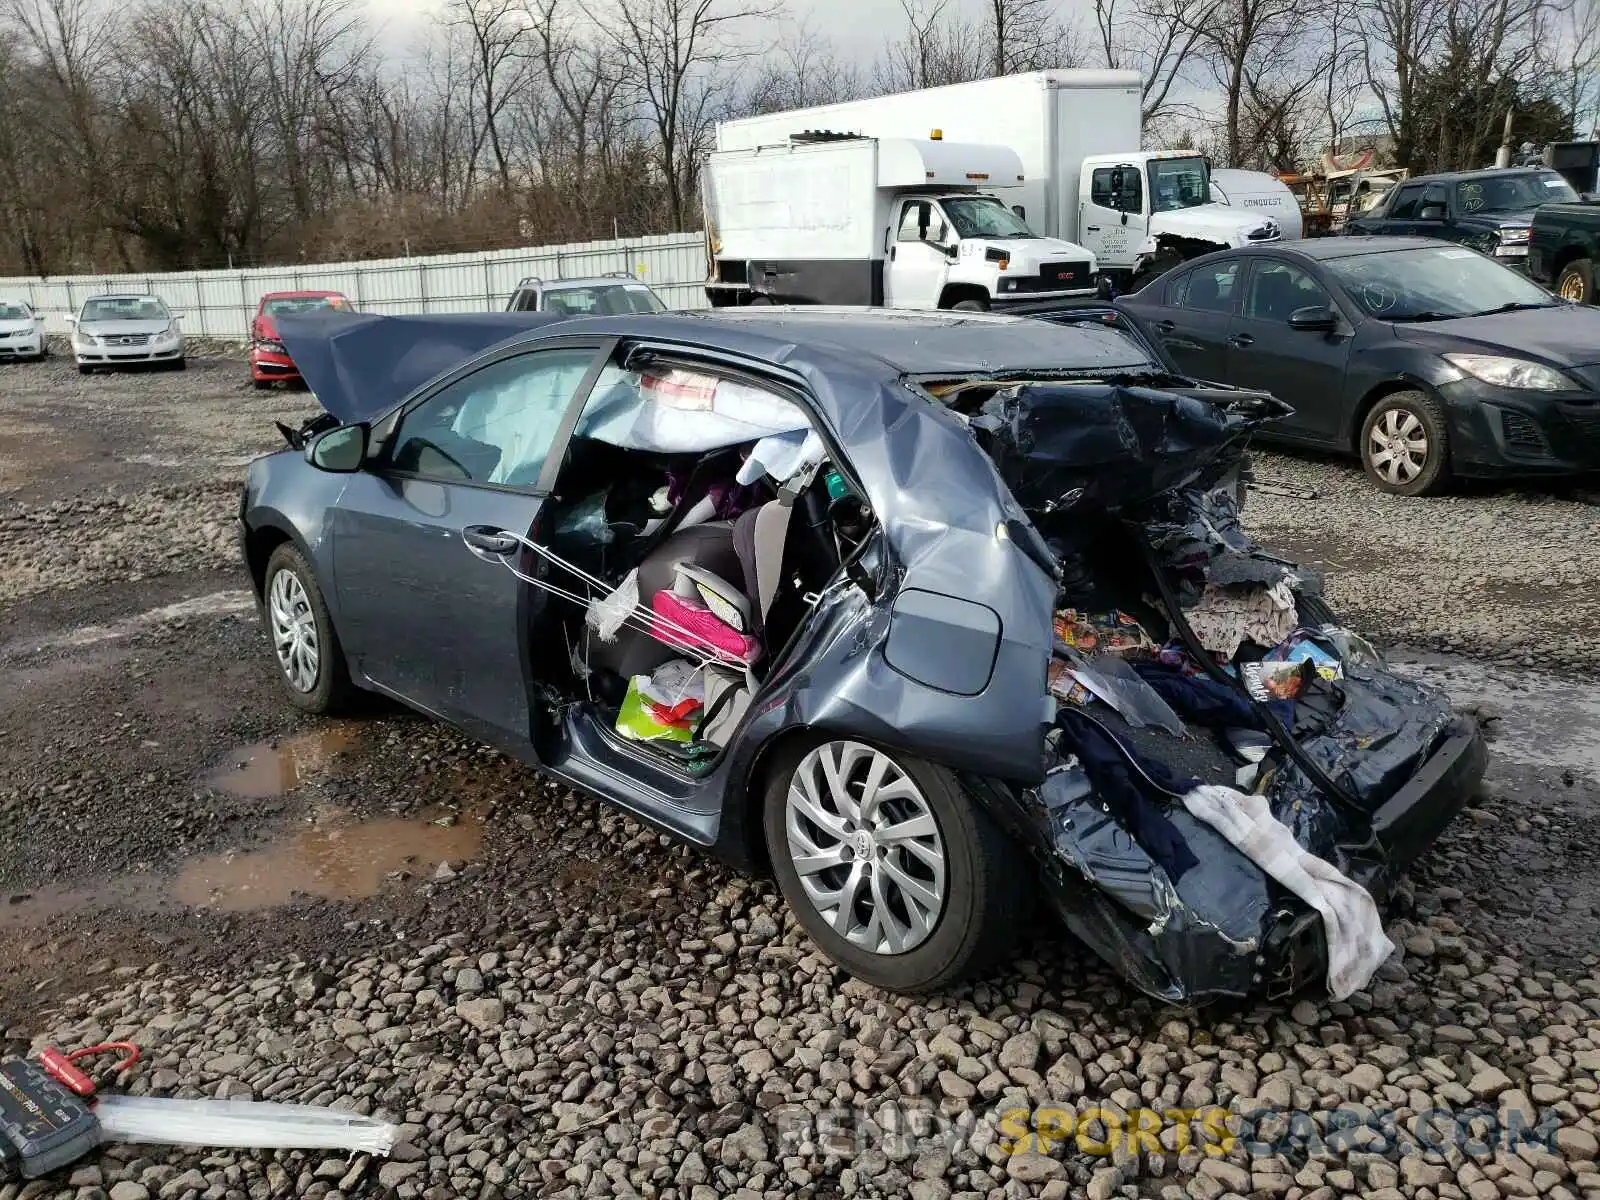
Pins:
x: 115, y: 330
x: 602, y: 295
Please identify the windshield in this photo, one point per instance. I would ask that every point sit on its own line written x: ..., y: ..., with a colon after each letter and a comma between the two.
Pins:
x: 1513, y: 193
x: 13, y: 312
x: 300, y: 304
x: 603, y: 299
x: 125, y: 308
x: 984, y: 216
x: 1178, y: 183
x: 1428, y: 284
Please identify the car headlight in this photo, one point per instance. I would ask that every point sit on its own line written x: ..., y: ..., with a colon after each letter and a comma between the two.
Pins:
x: 1517, y: 236
x: 88, y: 339
x: 1510, y: 372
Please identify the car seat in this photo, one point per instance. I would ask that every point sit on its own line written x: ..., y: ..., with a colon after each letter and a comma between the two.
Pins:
x: 1204, y: 291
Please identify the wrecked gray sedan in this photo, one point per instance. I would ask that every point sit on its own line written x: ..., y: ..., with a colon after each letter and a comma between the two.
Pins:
x: 936, y: 615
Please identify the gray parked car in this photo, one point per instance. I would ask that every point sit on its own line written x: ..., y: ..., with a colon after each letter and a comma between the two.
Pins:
x: 811, y: 588
x: 602, y: 295
x: 122, y: 330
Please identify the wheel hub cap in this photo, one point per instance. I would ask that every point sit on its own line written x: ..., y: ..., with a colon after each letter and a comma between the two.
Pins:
x: 866, y: 847
x: 294, y: 630
x: 1399, y: 446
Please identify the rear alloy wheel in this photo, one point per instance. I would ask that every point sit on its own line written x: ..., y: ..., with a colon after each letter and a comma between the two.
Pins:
x: 1405, y: 444
x: 895, y: 872
x: 310, y: 659
x: 1576, y: 282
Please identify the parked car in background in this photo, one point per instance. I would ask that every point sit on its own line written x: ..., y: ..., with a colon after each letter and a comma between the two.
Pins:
x: 1491, y: 211
x: 790, y: 584
x: 1426, y: 360
x: 269, y: 361
x: 1564, y: 249
x: 602, y: 295
x: 21, y: 331
x: 122, y: 330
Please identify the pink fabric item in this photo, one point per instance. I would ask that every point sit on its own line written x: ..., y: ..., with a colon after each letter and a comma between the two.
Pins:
x: 709, y: 630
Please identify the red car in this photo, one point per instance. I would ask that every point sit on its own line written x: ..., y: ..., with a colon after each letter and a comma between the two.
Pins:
x: 269, y: 361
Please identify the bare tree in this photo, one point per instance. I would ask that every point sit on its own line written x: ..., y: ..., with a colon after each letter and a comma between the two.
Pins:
x: 1158, y: 38
x: 938, y: 47
x: 803, y: 70
x: 681, y: 58
x: 498, y: 34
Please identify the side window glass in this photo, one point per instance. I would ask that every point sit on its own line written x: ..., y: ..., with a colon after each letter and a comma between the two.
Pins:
x: 1211, y: 288
x: 1131, y: 198
x: 1100, y: 187
x: 1405, y: 204
x: 1278, y: 289
x: 494, y: 426
x: 1178, y: 290
x: 913, y: 220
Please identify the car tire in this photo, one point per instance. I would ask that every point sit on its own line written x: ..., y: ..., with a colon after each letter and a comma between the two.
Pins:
x: 970, y: 306
x: 296, y: 618
x: 261, y: 385
x: 181, y: 364
x: 1405, y: 444
x: 1576, y: 282
x: 985, y: 884
x: 85, y: 370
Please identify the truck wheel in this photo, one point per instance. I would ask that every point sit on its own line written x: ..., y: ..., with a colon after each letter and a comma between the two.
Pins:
x: 1577, y: 282
x: 970, y: 306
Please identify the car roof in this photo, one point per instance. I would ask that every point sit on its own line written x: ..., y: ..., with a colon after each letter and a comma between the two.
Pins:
x: 122, y: 296
x: 908, y: 341
x: 309, y: 294
x: 1481, y: 173
x: 589, y: 281
x: 1324, y: 249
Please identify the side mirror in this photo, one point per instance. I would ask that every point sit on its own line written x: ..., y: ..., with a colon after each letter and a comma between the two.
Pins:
x: 1318, y: 318
x: 1431, y: 212
x: 1022, y: 213
x: 70, y: 319
x: 340, y: 450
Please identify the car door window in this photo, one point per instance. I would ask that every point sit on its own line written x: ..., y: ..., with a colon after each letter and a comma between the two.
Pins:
x: 495, y: 426
x: 1211, y: 288
x: 920, y: 221
x: 1103, y: 190
x: 1435, y: 196
x: 1277, y: 289
x: 1406, y: 202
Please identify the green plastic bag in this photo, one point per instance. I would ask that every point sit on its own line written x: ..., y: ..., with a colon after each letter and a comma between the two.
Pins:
x: 636, y: 723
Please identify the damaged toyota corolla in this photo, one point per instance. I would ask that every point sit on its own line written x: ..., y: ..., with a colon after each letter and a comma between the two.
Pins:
x: 938, y: 615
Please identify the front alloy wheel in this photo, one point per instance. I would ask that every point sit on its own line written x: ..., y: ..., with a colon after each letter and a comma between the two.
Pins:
x: 304, y: 642
x: 865, y: 847
x: 294, y: 631
x: 898, y: 874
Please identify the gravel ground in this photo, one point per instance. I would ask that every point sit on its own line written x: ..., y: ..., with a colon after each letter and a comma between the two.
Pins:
x: 553, y: 1001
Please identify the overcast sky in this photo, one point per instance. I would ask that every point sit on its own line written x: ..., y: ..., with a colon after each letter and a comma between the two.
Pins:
x: 857, y: 28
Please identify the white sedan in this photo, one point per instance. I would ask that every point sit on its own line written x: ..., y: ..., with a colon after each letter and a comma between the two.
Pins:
x: 119, y: 330
x: 21, y: 331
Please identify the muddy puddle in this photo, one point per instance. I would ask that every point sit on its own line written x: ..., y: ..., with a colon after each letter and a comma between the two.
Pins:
x: 333, y: 855
x: 334, y: 858
x: 269, y: 769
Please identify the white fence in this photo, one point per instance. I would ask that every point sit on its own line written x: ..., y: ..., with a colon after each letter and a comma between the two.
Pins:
x: 220, y: 304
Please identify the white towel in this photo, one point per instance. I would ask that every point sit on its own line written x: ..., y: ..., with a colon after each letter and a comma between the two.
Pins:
x: 1357, y: 945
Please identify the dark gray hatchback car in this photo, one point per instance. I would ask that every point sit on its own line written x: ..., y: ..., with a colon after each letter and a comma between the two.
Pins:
x: 893, y: 603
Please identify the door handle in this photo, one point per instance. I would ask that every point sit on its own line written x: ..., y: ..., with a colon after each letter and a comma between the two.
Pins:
x: 1242, y: 340
x: 1091, y: 229
x: 1166, y: 326
x: 489, y: 539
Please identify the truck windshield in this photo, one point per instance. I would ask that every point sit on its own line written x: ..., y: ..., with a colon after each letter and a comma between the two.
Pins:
x: 984, y: 216
x: 1178, y: 183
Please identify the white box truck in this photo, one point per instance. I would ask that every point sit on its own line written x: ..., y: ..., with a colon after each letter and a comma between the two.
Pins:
x: 894, y: 221
x: 1077, y: 134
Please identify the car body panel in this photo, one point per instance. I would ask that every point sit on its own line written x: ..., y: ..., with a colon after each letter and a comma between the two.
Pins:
x: 963, y: 504
x: 1332, y: 378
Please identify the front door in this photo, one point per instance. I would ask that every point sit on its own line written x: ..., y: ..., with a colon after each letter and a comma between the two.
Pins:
x: 1111, y: 220
x: 1191, y: 325
x: 429, y: 610
x: 1302, y: 367
x: 918, y: 257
